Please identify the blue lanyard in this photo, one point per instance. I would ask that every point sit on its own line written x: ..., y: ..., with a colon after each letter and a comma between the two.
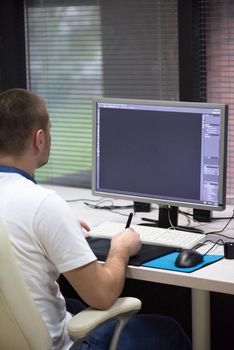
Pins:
x: 12, y: 169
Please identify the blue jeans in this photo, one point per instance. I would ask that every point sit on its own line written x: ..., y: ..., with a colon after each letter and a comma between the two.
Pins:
x: 148, y: 332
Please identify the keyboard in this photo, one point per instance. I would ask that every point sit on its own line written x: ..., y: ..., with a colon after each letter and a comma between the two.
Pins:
x: 152, y: 235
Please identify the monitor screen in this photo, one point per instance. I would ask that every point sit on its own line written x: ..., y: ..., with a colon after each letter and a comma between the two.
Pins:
x: 164, y: 152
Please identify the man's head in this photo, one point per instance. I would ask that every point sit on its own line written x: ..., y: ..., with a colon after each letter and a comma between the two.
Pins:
x: 24, y: 125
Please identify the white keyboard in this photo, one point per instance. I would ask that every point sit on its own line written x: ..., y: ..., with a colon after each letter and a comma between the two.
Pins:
x: 152, y: 235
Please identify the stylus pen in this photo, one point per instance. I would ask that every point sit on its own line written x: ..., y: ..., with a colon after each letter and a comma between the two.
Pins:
x: 129, y: 220
x: 149, y: 220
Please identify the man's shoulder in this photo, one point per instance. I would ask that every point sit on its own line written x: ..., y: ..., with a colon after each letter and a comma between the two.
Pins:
x: 49, y: 198
x: 41, y: 194
x: 29, y: 193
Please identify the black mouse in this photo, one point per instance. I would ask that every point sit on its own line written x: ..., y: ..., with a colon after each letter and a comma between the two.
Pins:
x: 188, y: 258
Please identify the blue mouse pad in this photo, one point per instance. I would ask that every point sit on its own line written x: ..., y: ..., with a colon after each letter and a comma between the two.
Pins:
x: 167, y: 262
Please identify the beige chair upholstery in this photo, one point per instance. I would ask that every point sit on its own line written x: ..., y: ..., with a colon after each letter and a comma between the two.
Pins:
x: 21, y: 325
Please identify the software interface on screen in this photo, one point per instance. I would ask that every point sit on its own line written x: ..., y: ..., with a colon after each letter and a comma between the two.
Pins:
x: 161, y: 152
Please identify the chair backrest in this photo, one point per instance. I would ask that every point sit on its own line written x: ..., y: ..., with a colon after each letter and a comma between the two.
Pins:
x: 21, y: 325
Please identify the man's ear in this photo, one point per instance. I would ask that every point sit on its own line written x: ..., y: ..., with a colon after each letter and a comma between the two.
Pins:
x: 39, y: 139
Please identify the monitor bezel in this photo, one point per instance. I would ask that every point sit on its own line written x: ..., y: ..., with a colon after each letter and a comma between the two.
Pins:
x: 165, y: 202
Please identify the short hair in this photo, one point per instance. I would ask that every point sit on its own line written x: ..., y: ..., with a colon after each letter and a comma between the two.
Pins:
x: 21, y: 112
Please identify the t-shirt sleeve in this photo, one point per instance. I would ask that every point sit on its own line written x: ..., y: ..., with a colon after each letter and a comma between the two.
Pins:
x: 60, y: 235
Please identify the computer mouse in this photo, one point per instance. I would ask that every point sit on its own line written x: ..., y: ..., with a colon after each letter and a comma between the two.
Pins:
x: 188, y: 258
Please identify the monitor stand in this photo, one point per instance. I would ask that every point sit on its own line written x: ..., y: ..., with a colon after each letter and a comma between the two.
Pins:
x: 166, y: 212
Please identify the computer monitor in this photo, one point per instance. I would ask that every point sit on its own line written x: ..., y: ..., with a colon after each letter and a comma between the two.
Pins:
x: 164, y: 152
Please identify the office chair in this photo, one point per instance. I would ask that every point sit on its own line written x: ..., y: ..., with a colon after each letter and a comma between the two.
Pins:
x: 22, y: 326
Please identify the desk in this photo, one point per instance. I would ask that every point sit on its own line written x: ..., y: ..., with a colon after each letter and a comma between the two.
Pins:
x: 218, y: 277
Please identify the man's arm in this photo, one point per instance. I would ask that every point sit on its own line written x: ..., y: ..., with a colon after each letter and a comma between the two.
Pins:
x: 99, y: 285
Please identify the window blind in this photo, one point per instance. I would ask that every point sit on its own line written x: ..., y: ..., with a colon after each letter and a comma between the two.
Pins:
x: 81, y: 49
x: 66, y: 70
x: 217, y: 32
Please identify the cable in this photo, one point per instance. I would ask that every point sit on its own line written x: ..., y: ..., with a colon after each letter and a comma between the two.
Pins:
x: 108, y: 207
x: 183, y: 228
x: 223, y: 218
x: 210, y: 241
x: 199, y: 245
x: 185, y: 213
x: 219, y: 231
x: 219, y: 240
x: 100, y: 201
x: 169, y: 217
x: 83, y: 199
x: 221, y: 235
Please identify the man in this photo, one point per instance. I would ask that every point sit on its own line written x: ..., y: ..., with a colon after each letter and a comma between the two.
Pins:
x: 48, y: 240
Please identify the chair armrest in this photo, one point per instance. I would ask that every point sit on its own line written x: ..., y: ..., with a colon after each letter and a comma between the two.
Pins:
x: 89, y: 319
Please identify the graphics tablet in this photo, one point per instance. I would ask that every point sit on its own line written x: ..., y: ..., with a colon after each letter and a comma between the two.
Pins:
x: 101, y: 246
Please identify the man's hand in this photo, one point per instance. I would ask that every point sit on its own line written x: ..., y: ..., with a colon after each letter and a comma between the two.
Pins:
x: 127, y: 240
x: 85, y: 227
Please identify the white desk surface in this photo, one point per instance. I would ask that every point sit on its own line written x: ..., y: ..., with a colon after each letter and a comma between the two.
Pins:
x: 218, y: 277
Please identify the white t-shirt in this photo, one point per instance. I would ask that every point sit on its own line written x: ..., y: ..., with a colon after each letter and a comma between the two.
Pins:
x: 47, y: 240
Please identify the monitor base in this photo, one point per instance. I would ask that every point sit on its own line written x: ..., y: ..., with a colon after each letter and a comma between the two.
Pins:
x: 168, y: 217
